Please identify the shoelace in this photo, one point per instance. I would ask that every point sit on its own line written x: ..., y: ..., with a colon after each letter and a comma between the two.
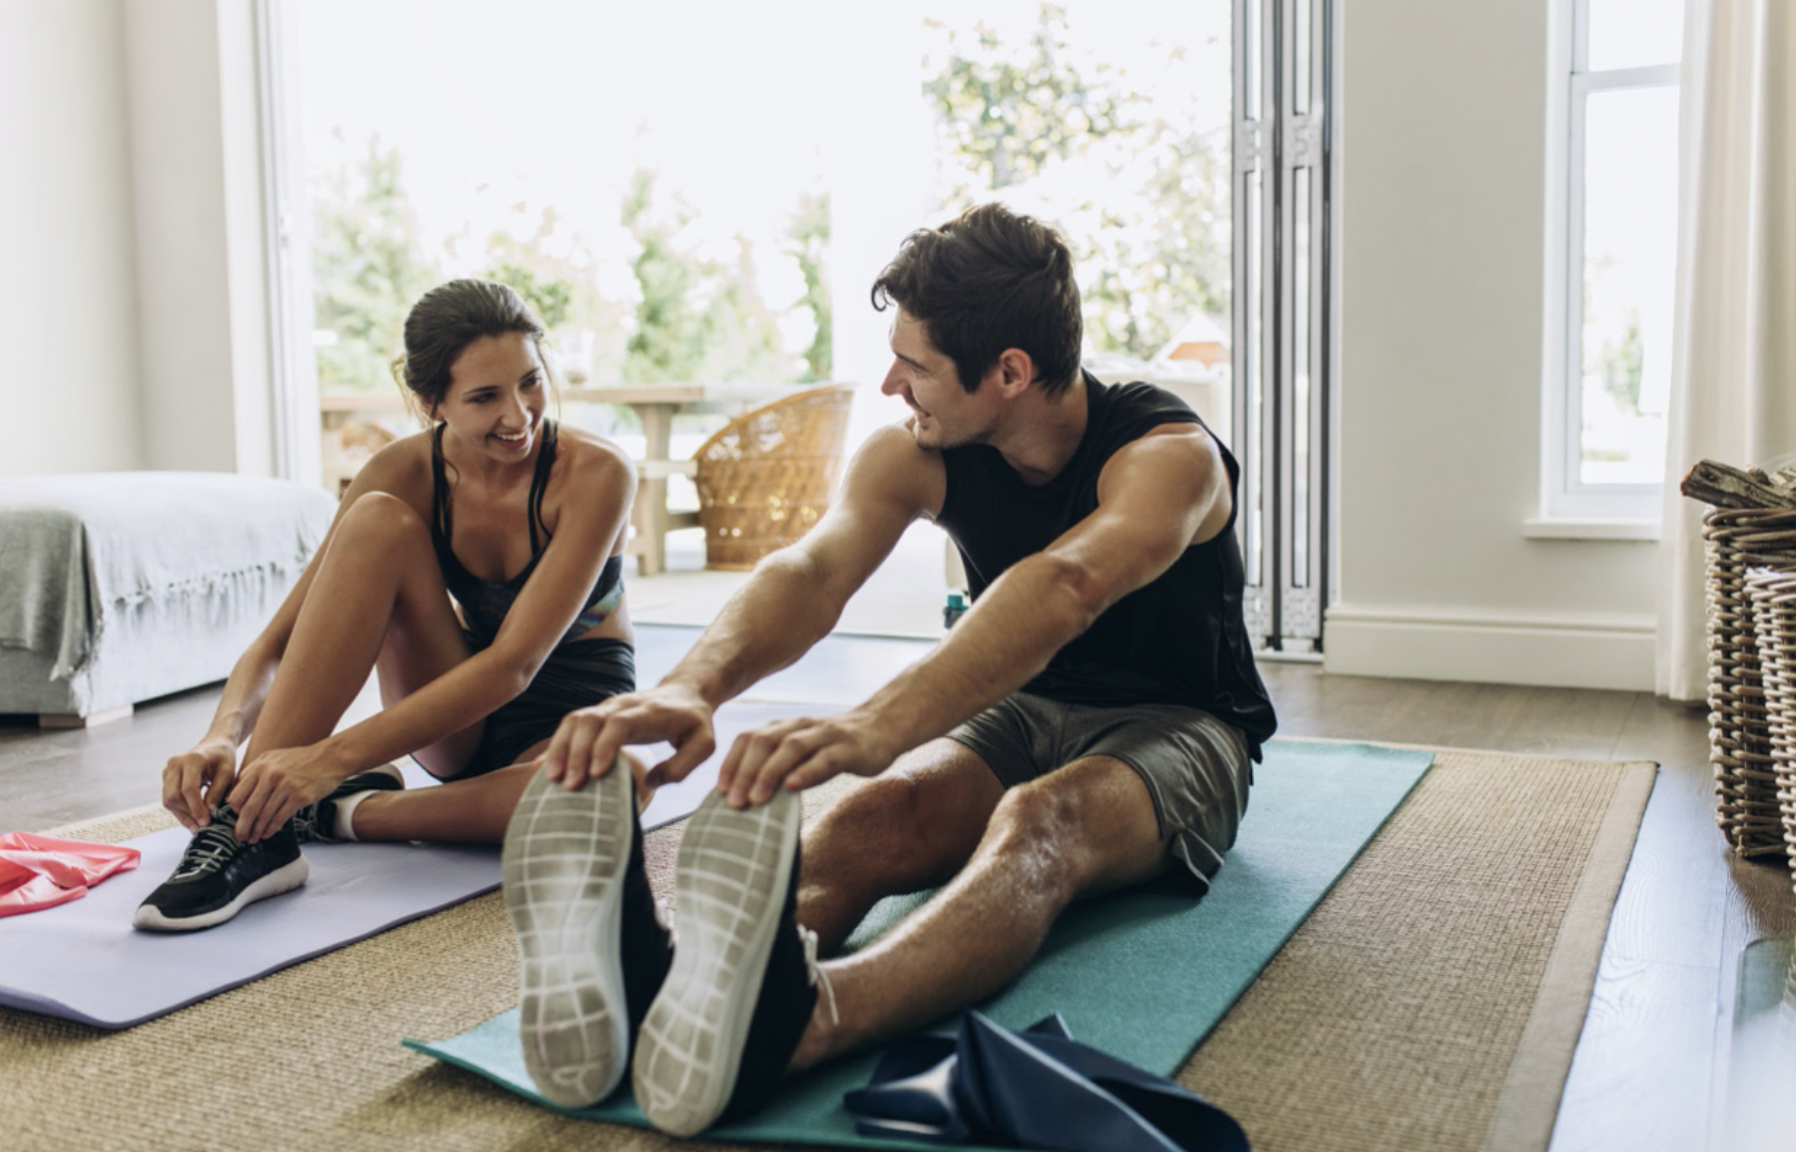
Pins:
x: 814, y: 971
x: 212, y: 847
x: 307, y: 825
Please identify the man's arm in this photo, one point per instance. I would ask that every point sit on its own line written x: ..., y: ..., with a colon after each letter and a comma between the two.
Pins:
x: 1156, y: 497
x: 792, y: 600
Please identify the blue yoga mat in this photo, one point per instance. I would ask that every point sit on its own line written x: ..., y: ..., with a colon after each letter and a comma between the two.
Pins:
x: 1143, y: 975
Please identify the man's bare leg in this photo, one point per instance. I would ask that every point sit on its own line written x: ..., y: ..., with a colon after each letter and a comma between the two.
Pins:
x: 908, y: 829
x: 1085, y: 829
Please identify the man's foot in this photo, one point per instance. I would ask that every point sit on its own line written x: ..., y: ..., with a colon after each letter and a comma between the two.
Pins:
x: 219, y: 875
x: 717, y: 1040
x: 317, y: 822
x: 592, y: 953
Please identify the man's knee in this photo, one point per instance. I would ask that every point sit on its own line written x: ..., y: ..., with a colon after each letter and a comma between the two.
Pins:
x: 1035, y: 829
x: 1083, y: 828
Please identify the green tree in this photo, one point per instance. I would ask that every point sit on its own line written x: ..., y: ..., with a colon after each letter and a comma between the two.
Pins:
x: 698, y: 317
x: 1149, y: 225
x: 1621, y: 367
x: 369, y: 267
x: 1009, y: 114
x: 667, y: 342
x: 808, y: 244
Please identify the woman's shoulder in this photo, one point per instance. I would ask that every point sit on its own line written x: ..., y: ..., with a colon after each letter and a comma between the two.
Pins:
x: 590, y: 456
x: 401, y: 468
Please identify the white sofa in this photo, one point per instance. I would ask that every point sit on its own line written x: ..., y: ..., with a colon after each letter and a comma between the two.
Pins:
x: 119, y: 587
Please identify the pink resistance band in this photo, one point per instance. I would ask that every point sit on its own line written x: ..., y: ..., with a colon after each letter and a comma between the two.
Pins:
x: 41, y: 871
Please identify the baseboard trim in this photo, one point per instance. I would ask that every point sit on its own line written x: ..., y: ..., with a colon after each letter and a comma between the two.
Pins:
x: 1594, y: 651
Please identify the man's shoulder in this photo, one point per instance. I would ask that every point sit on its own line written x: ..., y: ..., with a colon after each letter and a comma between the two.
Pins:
x: 1142, y: 397
x: 891, y: 464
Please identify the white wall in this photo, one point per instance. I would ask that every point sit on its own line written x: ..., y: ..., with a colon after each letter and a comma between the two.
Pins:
x: 68, y: 299
x: 1443, y: 151
x: 201, y: 287
x: 133, y: 305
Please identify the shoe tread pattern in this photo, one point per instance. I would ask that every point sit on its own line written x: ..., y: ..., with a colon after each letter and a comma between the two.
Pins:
x: 563, y: 868
x: 730, y: 885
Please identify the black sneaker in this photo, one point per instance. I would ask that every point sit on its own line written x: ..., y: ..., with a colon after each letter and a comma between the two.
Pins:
x: 219, y: 875
x: 718, y: 1039
x: 592, y: 952
x: 316, y: 823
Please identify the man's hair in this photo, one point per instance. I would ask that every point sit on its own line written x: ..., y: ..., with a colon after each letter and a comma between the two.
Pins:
x: 988, y: 281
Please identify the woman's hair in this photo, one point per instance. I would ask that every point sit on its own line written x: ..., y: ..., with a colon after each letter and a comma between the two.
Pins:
x: 447, y: 319
x: 988, y: 281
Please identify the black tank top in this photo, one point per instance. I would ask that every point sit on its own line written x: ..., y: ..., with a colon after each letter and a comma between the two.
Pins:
x: 1181, y: 639
x: 484, y: 603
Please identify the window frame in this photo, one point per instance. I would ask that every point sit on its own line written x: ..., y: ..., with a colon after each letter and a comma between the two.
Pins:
x: 1565, y: 496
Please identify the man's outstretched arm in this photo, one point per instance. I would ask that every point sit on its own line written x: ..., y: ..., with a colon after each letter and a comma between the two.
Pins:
x: 792, y: 600
x: 1157, y: 497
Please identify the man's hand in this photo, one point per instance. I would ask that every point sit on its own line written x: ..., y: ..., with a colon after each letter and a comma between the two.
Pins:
x: 193, y: 779
x: 801, y: 753
x: 277, y: 784
x: 589, y: 740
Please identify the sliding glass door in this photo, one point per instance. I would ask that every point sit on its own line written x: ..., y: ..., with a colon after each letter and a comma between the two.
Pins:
x: 1281, y: 347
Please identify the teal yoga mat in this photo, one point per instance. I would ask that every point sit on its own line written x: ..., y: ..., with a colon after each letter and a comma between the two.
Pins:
x: 1143, y: 975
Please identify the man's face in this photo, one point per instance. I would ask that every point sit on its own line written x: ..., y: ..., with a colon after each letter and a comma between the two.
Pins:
x: 943, y: 414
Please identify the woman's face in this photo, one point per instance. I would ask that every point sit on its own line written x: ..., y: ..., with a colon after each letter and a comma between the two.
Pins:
x: 496, y: 397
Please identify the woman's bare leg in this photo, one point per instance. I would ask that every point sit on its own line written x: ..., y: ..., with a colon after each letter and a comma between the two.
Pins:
x: 472, y: 811
x: 378, y: 599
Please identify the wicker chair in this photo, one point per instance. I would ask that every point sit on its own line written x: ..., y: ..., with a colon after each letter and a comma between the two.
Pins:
x: 765, y: 478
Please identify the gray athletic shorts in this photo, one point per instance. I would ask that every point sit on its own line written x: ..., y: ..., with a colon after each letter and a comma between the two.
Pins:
x: 1196, y: 768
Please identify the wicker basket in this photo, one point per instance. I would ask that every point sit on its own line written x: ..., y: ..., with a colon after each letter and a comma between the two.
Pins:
x: 1739, y: 730
x: 765, y: 478
x: 1773, y: 595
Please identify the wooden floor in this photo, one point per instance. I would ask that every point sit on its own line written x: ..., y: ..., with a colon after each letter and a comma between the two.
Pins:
x: 1652, y: 1066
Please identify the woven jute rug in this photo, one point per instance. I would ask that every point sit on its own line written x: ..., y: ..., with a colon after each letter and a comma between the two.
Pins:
x: 1432, y: 1001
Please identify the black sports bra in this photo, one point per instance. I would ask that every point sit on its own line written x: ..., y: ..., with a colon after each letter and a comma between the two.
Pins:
x: 485, y: 603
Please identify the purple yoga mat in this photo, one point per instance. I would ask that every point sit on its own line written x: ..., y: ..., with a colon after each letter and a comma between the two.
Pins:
x: 83, y: 961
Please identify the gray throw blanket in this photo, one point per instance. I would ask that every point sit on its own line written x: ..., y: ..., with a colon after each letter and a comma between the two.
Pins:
x: 75, y: 550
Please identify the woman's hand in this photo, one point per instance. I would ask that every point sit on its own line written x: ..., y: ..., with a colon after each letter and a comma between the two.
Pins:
x: 197, y: 779
x: 277, y: 784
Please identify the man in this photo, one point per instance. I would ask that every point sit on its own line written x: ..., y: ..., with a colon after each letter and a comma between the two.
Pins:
x: 1089, y: 725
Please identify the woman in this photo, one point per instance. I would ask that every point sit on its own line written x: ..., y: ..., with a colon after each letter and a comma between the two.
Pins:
x: 475, y: 567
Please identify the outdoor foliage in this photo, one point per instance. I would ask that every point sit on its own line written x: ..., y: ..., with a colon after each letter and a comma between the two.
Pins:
x: 1141, y: 197
x: 689, y: 314
x: 369, y: 266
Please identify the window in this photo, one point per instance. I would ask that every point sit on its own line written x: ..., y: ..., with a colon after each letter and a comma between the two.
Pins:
x: 1609, y: 370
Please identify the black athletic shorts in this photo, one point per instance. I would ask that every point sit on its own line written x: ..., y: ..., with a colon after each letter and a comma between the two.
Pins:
x: 577, y: 674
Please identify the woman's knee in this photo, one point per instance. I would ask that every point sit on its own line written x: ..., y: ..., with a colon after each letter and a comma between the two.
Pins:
x: 380, y: 518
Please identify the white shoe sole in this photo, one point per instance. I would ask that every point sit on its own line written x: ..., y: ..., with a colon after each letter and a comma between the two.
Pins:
x: 283, y: 879
x: 730, y: 887
x: 566, y: 855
